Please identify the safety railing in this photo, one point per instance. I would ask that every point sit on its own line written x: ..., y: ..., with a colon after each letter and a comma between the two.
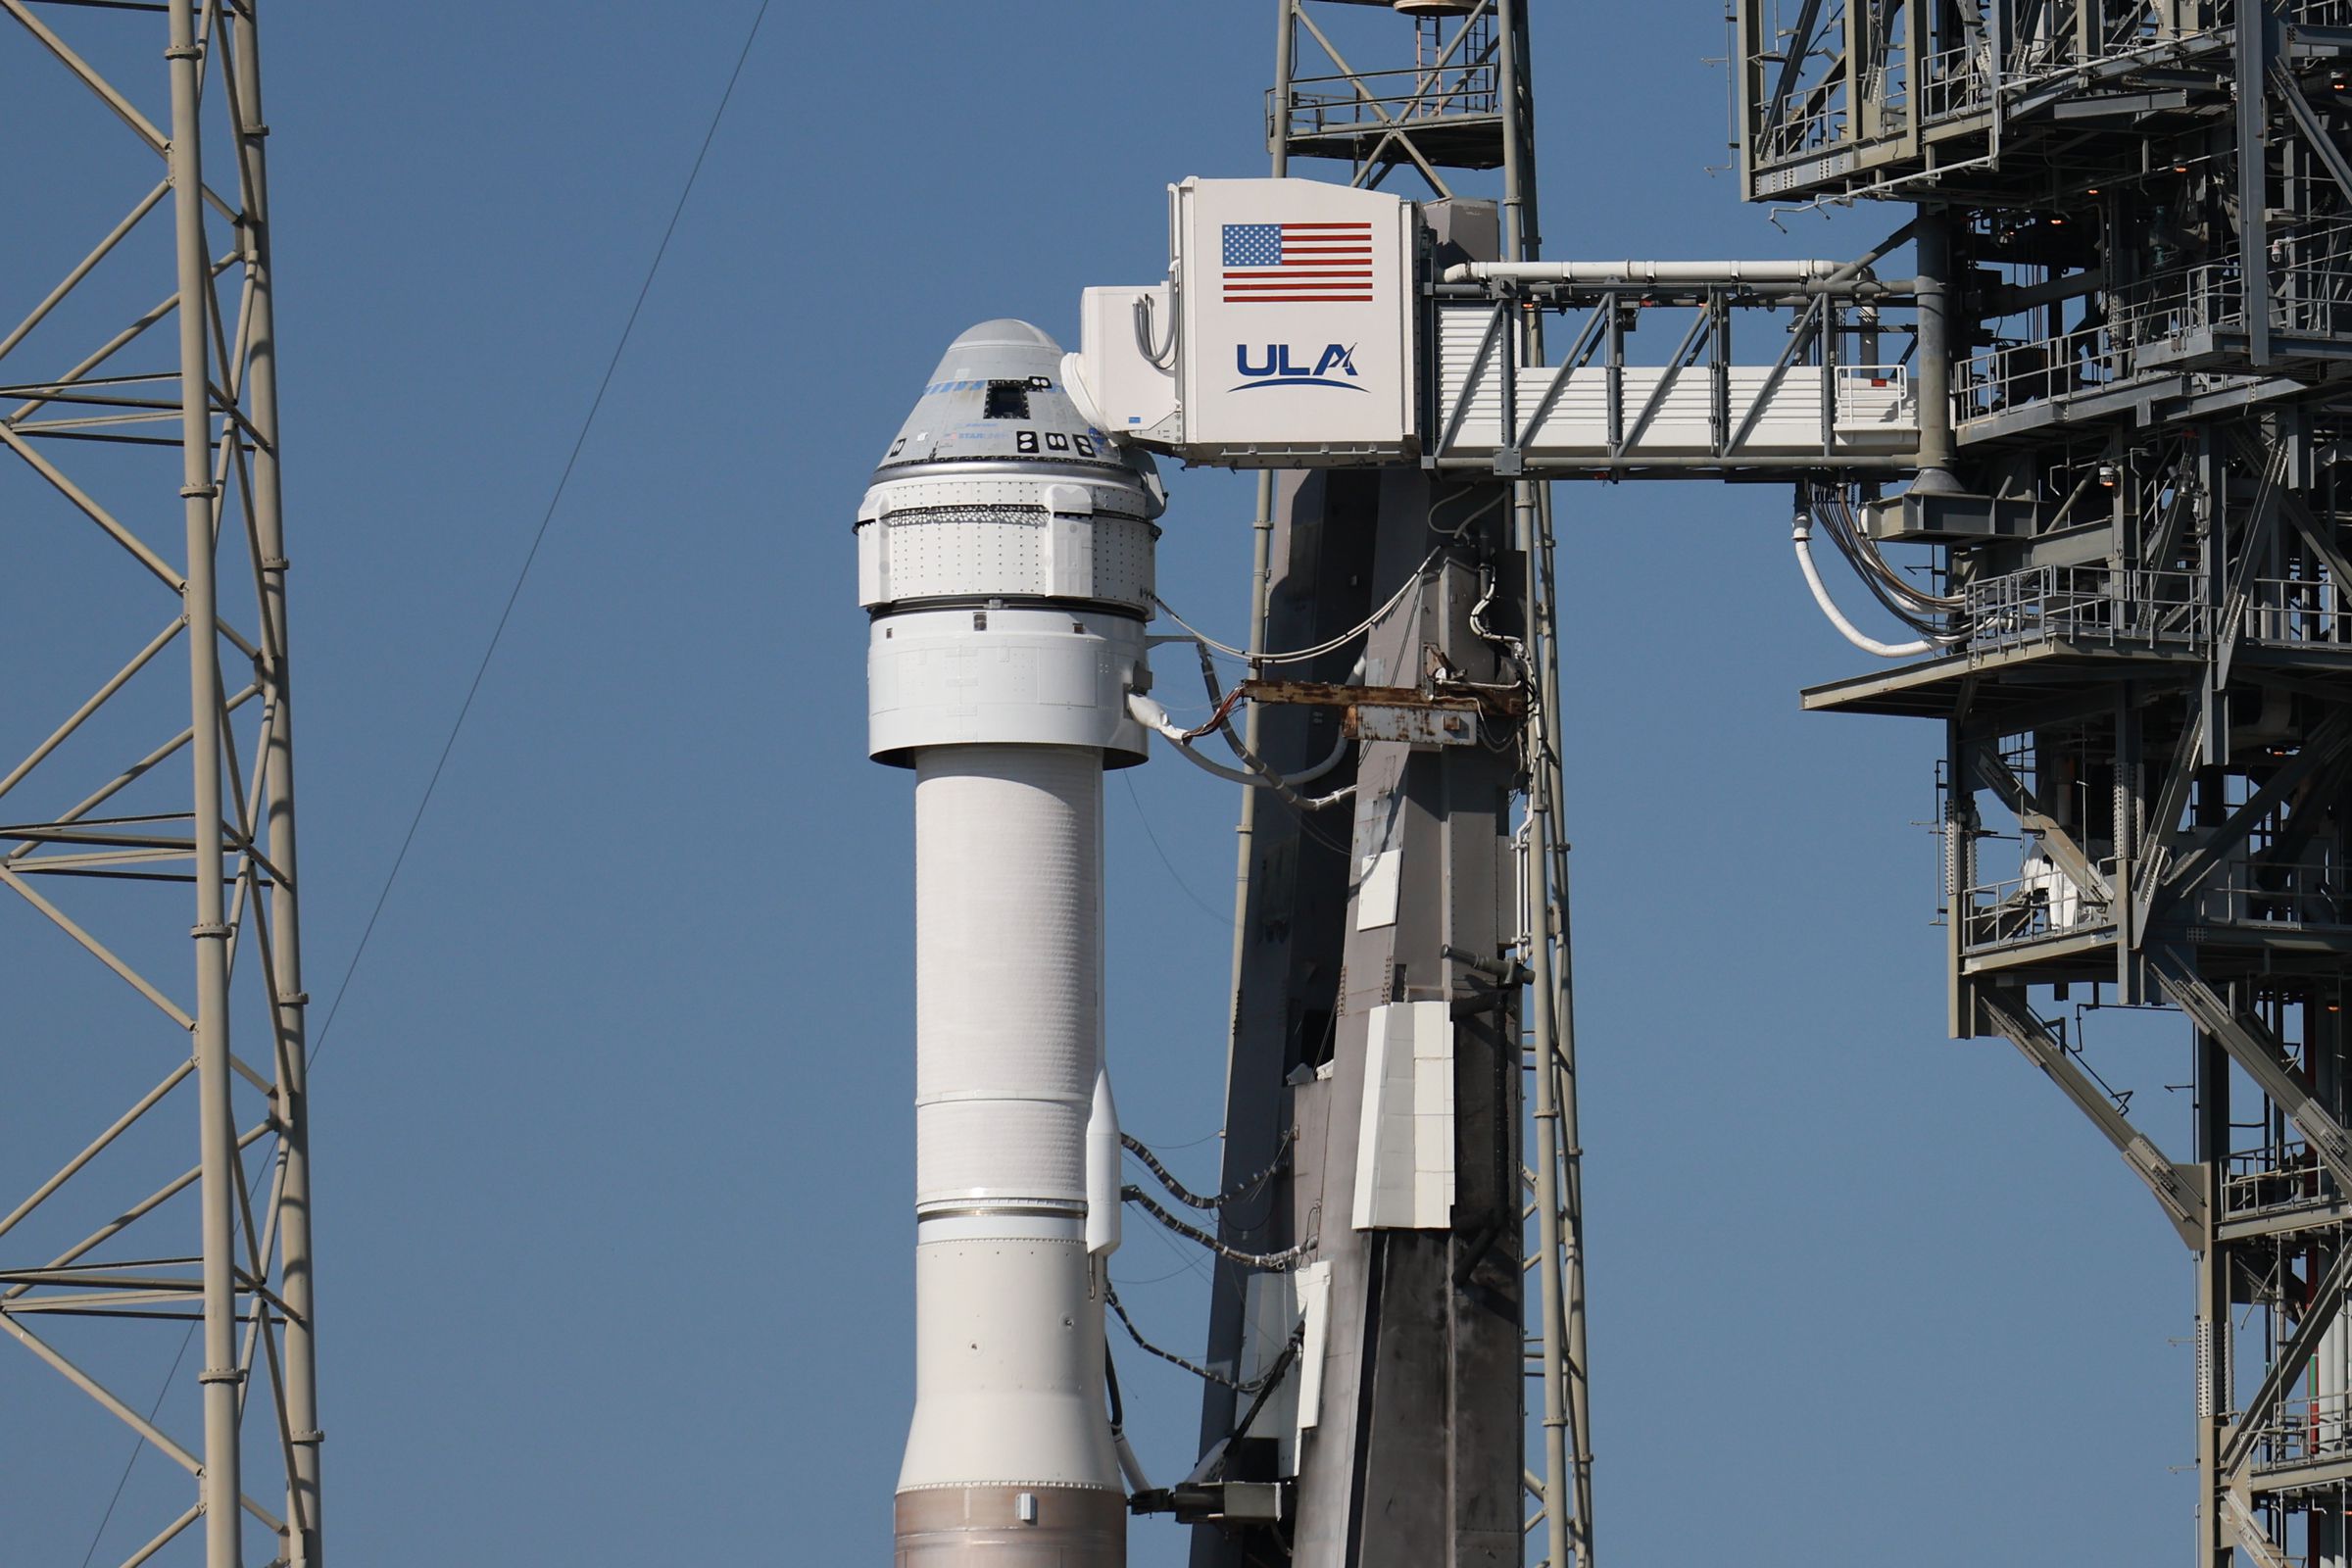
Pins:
x: 2142, y: 328
x: 2008, y: 374
x: 1797, y: 130
x: 1951, y: 84
x: 2042, y: 901
x: 2089, y: 604
x: 1954, y: 82
x: 2256, y: 893
x: 2135, y: 607
x: 2307, y: 1428
x: 2290, y: 613
x: 2275, y: 1179
x: 1372, y: 99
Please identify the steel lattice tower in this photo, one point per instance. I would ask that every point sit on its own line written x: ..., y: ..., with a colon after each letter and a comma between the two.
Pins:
x: 1430, y: 1352
x: 2134, y: 226
x: 142, y: 433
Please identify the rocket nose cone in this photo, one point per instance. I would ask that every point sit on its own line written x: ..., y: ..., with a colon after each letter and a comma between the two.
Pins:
x: 1005, y: 332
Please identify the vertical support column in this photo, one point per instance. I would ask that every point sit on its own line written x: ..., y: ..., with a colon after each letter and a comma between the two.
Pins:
x: 219, y: 1169
x: 2213, y: 1306
x: 2254, y: 45
x: 2130, y: 787
x: 1961, y: 1020
x: 289, y: 1002
x: 1931, y: 234
x: 1261, y: 538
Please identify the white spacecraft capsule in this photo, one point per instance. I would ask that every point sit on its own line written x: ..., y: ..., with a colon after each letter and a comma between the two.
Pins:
x: 1004, y: 555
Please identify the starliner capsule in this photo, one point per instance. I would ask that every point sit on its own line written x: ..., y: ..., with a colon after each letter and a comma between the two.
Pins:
x: 1005, y: 553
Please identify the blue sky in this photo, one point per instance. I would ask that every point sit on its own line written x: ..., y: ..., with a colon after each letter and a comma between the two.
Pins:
x: 614, y: 1126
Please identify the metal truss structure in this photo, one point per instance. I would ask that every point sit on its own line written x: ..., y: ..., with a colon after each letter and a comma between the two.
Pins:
x: 141, y: 430
x: 2136, y: 220
x: 1461, y: 104
x: 1427, y: 1336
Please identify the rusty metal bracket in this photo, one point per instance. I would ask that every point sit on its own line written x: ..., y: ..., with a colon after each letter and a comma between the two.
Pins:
x: 1411, y: 714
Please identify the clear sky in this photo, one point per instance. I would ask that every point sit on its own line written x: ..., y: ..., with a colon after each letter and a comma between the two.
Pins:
x: 613, y: 1127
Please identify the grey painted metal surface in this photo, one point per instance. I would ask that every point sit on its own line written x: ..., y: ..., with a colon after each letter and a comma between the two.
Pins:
x: 2135, y: 222
x: 166, y: 442
x: 1416, y: 1453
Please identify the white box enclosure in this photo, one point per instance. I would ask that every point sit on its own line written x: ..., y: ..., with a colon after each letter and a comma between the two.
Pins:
x: 1284, y: 334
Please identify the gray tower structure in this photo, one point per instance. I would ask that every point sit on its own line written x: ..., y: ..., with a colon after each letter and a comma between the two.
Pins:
x: 2134, y: 225
x: 148, y: 875
x: 1403, y: 929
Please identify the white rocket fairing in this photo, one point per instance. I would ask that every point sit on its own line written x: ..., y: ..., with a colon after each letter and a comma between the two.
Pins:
x: 1005, y: 553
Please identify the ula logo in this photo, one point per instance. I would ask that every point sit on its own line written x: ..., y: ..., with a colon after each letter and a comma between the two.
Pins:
x: 1335, y: 366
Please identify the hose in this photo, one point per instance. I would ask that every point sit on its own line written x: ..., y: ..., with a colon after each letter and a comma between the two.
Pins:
x: 1803, y: 535
x: 1920, y: 617
x: 1222, y: 704
x: 1129, y: 1465
x: 1165, y: 357
x: 1271, y: 1262
x: 1247, y: 1186
x: 1154, y: 717
x: 1863, y: 554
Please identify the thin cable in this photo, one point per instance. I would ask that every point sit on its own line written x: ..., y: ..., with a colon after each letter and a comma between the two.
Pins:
x: 563, y: 482
x: 1110, y: 1296
x: 1175, y: 876
x: 138, y: 1447
x: 1297, y: 656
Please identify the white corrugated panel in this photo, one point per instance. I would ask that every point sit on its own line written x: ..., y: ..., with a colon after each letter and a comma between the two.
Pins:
x: 1007, y: 998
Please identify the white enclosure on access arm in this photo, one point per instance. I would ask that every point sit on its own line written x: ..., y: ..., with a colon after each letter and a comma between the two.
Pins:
x: 1284, y: 335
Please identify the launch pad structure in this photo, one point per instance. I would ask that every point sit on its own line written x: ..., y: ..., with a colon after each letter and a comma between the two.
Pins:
x: 2116, y: 387
x: 2107, y: 399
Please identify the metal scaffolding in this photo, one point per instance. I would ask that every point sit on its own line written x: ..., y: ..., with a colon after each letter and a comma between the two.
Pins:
x: 142, y: 411
x: 2135, y: 216
x: 1450, y: 1351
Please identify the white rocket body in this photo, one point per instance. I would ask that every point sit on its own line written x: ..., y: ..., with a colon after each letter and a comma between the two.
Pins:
x: 1005, y: 553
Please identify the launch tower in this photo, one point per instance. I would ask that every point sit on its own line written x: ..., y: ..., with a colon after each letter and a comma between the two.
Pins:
x: 2134, y: 225
x: 1391, y: 939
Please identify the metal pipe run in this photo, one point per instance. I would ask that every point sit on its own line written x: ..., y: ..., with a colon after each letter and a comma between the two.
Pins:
x: 1721, y: 275
x: 221, y: 1377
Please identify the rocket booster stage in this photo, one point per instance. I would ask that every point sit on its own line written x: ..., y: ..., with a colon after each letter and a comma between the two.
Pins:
x: 1004, y: 555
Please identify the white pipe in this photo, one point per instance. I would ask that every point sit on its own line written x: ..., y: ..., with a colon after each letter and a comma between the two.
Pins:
x: 1154, y: 717
x: 1664, y: 272
x: 1803, y: 535
x: 1129, y: 1464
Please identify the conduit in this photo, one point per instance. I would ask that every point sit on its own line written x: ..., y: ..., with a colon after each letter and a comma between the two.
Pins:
x: 1154, y: 717
x: 1803, y: 535
x: 1670, y: 274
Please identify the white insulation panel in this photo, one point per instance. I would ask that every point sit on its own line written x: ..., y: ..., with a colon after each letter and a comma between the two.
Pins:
x: 1404, y: 1160
x: 1008, y: 991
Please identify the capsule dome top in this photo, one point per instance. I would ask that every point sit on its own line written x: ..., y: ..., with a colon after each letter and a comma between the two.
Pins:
x: 1005, y: 332
x: 997, y: 400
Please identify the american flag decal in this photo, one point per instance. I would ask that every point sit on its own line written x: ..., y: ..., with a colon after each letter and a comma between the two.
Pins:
x: 1298, y: 263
